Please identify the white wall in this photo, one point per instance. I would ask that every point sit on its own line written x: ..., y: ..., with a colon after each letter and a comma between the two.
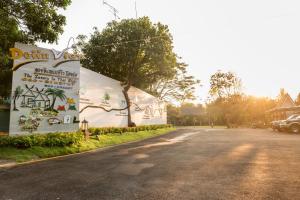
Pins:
x: 145, y: 108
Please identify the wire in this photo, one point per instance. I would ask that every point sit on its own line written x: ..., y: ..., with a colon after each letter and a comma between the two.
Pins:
x: 129, y: 41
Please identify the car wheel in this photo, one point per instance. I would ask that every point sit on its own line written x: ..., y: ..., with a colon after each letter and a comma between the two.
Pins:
x: 295, y: 128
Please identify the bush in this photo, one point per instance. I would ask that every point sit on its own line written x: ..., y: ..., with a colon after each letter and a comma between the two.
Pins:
x: 4, y: 141
x: 21, y: 142
x: 49, y: 140
x: 120, y: 130
x: 62, y: 139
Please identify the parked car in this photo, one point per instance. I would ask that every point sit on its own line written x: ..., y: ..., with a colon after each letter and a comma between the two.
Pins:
x: 276, y: 125
x: 291, y: 124
x: 280, y: 125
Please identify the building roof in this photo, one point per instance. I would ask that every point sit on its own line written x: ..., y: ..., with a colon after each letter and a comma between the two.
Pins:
x: 286, y: 102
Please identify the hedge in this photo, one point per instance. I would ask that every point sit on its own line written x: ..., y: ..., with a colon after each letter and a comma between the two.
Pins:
x: 48, y: 140
x: 67, y: 139
x: 120, y: 130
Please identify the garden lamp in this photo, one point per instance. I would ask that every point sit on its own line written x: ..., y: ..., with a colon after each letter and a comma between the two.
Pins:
x: 84, y: 125
x: 84, y: 128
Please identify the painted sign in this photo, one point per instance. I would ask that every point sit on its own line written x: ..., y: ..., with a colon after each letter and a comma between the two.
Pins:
x: 45, y: 91
x: 22, y: 56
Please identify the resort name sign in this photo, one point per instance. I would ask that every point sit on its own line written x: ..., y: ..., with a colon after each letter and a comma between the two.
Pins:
x: 23, y: 55
x: 45, y: 90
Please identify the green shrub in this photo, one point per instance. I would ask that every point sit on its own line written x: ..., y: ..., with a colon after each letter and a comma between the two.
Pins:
x: 21, y: 142
x: 49, y: 140
x: 120, y: 130
x: 62, y: 139
x: 4, y: 141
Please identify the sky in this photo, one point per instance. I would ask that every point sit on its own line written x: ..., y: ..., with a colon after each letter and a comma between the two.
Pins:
x: 259, y: 40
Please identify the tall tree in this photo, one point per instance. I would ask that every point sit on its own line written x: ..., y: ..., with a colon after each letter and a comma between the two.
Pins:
x: 224, y: 84
x: 136, y: 52
x: 27, y: 21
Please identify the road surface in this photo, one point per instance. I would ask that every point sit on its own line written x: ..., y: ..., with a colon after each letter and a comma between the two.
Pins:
x: 189, y: 163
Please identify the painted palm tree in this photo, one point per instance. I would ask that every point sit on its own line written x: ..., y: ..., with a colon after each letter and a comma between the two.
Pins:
x: 17, y: 93
x: 55, y: 93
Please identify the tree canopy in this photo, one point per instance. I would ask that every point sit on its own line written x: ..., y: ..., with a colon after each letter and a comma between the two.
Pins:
x: 224, y: 84
x: 138, y: 53
x: 133, y: 51
x: 27, y: 21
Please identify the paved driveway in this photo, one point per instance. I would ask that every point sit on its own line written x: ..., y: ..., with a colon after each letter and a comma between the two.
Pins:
x: 186, y: 164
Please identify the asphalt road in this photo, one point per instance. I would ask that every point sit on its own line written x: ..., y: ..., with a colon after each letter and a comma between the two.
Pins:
x: 186, y: 164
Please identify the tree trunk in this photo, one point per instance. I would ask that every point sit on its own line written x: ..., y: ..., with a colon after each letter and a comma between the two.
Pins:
x: 125, y: 92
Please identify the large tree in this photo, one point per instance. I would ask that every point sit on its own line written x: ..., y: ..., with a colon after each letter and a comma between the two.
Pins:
x: 27, y: 21
x: 227, y: 104
x: 224, y: 84
x: 136, y: 52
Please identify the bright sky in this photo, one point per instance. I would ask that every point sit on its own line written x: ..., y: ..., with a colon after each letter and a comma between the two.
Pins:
x: 259, y: 40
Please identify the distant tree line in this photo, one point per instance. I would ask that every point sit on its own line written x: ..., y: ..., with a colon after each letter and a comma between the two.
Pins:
x: 238, y: 110
x: 227, y: 105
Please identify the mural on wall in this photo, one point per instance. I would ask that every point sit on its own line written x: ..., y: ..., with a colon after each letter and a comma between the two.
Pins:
x: 54, y: 120
x: 145, y: 109
x: 41, y: 104
x: 105, y: 100
x: 45, y: 94
x: 122, y: 112
x: 151, y: 110
x: 56, y: 94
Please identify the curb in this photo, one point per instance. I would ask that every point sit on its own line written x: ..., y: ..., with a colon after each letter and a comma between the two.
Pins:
x: 15, y: 164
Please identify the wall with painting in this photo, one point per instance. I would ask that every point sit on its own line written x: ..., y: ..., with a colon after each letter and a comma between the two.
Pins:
x: 45, y: 91
x: 100, y: 95
x: 51, y: 92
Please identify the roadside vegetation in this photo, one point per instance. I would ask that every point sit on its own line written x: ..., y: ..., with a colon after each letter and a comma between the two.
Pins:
x: 227, y: 106
x: 32, y: 147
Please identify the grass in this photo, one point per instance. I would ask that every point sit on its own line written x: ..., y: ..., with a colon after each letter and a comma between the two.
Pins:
x: 94, y: 142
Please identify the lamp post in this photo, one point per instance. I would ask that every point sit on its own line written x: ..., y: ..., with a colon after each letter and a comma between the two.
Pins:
x: 84, y: 128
